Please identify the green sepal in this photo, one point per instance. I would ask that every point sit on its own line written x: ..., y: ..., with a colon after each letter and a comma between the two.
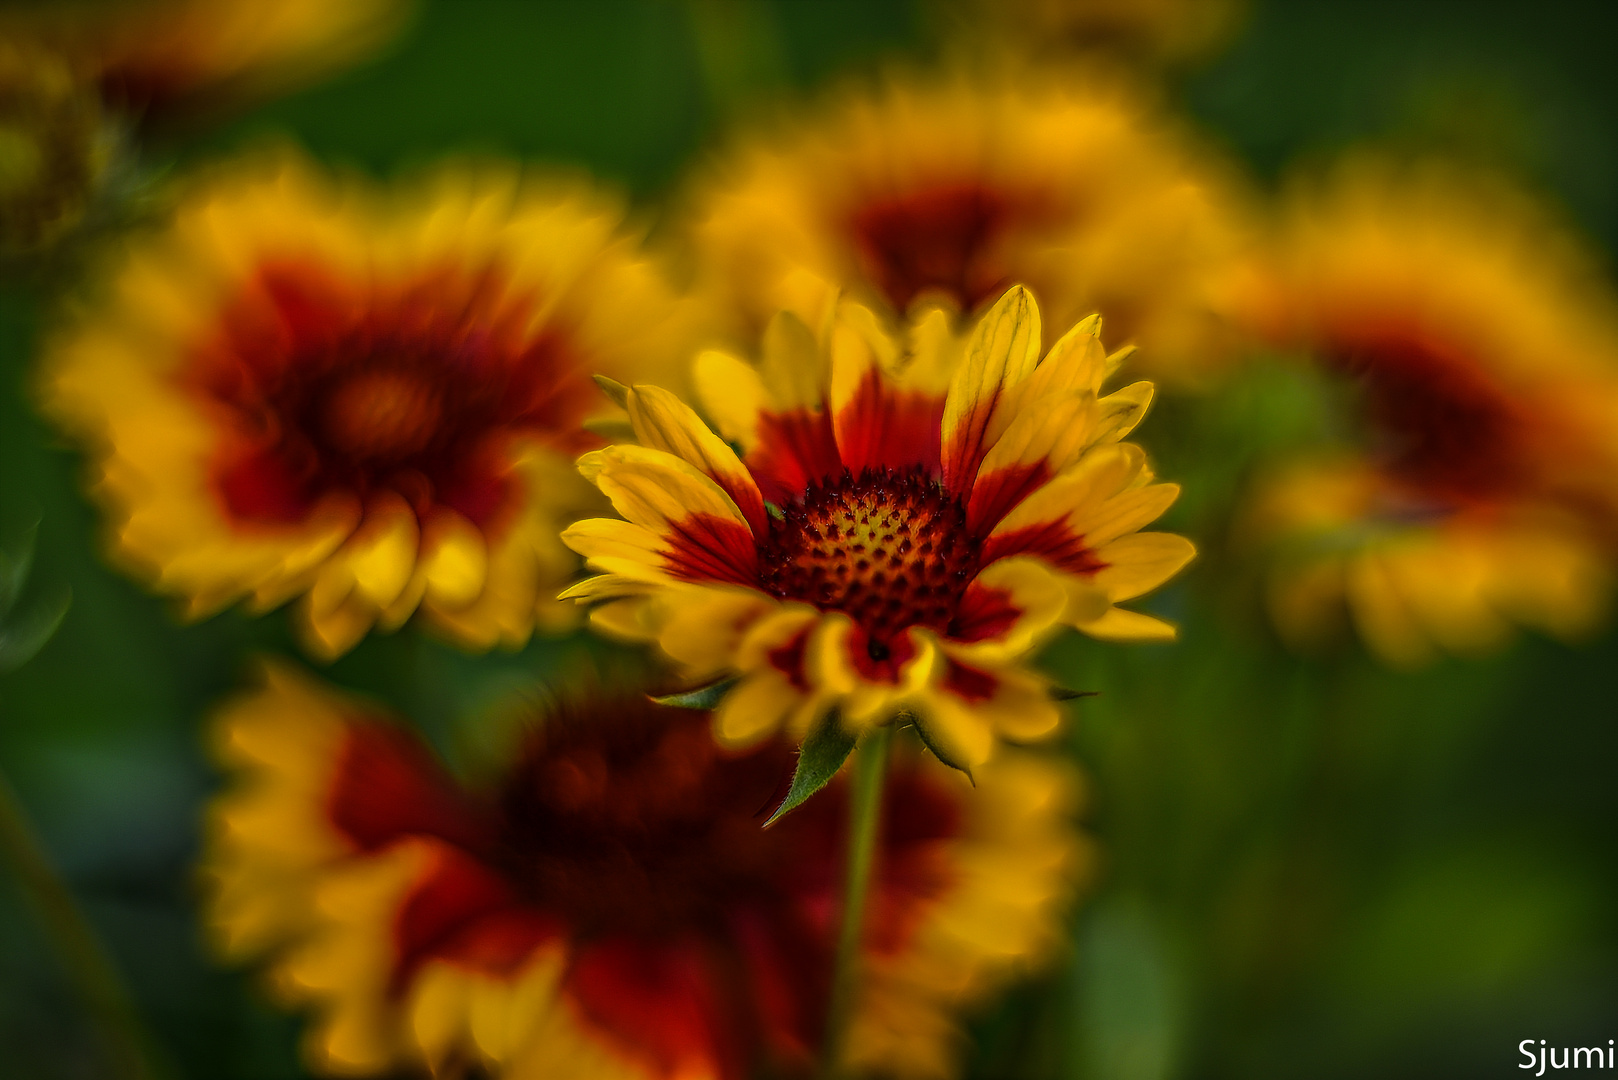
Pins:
x: 819, y: 758
x: 933, y: 747
x: 704, y: 697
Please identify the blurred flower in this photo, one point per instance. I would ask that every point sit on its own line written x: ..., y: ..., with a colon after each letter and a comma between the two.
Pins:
x: 307, y: 387
x: 952, y: 191
x: 1481, y: 347
x: 168, y: 56
x: 905, y: 525
x: 54, y: 147
x: 607, y: 905
x: 1157, y: 31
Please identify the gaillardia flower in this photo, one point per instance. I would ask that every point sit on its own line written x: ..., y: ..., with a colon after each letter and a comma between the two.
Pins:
x: 1481, y: 348
x: 605, y: 904
x: 159, y: 57
x: 950, y: 192
x: 902, y: 528
x: 305, y: 387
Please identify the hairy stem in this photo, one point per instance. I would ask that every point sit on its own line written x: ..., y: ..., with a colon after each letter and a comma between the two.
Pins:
x: 865, y: 815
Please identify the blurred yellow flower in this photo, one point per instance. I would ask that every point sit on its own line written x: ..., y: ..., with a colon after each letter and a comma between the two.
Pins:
x: 304, y: 386
x: 907, y: 521
x: 163, y: 56
x: 952, y: 190
x: 1481, y: 346
x: 607, y: 905
x: 54, y: 147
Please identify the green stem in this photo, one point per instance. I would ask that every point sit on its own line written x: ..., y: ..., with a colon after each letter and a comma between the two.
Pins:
x: 865, y: 816
x: 75, y: 941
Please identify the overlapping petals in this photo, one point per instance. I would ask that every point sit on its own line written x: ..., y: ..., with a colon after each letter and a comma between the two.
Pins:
x: 904, y: 523
x: 308, y: 388
x: 1480, y: 347
x: 605, y: 905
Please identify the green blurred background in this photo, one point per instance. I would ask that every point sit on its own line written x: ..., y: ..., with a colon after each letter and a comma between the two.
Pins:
x: 1311, y: 868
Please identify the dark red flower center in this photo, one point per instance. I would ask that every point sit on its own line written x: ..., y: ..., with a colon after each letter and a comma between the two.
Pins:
x: 944, y: 239
x: 889, y: 549
x: 329, y: 386
x: 1438, y: 427
x: 382, y: 414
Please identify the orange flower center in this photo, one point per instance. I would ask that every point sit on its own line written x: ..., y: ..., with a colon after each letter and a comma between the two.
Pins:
x: 889, y: 549
x: 379, y: 414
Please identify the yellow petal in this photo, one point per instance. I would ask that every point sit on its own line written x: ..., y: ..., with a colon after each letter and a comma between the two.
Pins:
x: 734, y: 394
x: 1122, y: 411
x: 794, y: 367
x: 664, y: 422
x: 754, y: 708
x: 1140, y: 562
x: 382, y: 553
x: 455, y: 559
x: 1124, y: 513
x: 1120, y: 625
x: 656, y: 489
x: 1075, y: 493
x: 1037, y: 594
x: 1002, y: 350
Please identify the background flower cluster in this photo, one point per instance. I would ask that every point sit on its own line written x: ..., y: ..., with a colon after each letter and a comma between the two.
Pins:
x: 1356, y: 819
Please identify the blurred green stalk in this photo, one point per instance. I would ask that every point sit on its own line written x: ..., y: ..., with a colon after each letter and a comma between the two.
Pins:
x: 113, y: 1012
x: 865, y: 816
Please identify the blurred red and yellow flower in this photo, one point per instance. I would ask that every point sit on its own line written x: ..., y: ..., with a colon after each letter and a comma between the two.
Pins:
x: 905, y: 524
x: 1481, y: 348
x: 306, y: 387
x: 607, y: 903
x: 167, y: 56
x: 953, y: 190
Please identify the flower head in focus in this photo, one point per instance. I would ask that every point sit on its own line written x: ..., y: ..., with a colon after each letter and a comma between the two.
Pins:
x: 54, y: 147
x: 904, y: 525
x: 605, y: 904
x: 951, y: 191
x: 307, y: 387
x: 1479, y: 347
x: 159, y: 58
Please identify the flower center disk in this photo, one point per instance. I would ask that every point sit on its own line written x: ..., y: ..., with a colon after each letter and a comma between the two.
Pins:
x: 888, y: 549
x: 382, y: 414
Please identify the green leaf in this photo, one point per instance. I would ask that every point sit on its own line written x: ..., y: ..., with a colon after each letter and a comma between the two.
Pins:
x: 1062, y: 693
x: 819, y: 758
x: 22, y: 637
x: 705, y: 697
